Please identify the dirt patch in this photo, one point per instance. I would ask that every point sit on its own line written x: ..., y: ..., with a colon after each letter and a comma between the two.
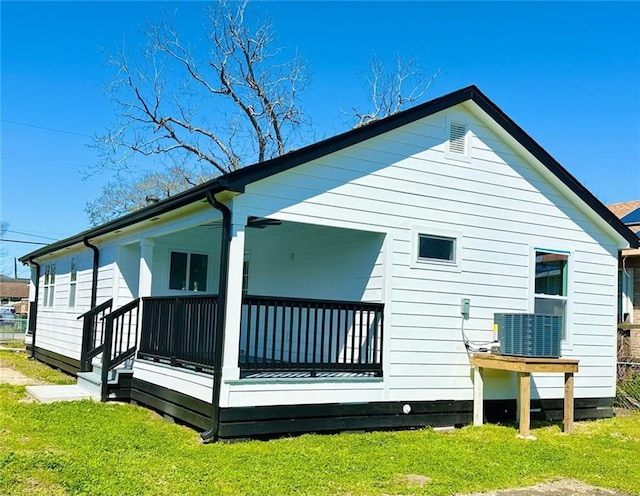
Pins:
x: 563, y: 487
x: 414, y: 480
x: 15, y: 378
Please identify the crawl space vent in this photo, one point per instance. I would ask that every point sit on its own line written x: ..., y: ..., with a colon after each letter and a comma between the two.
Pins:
x: 457, y: 133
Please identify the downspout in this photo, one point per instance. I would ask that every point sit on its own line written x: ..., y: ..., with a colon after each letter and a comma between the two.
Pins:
x: 221, y: 314
x: 34, y: 309
x: 96, y: 265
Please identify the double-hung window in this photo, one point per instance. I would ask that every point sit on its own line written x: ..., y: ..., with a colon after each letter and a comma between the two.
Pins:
x: 73, y: 279
x: 551, y: 285
x: 49, y: 284
x: 188, y: 271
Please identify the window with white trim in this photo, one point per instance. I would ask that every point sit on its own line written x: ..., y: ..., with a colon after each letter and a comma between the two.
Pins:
x: 436, y: 248
x: 551, y: 285
x: 49, y: 284
x: 188, y: 271
x: 625, y: 295
x: 73, y: 279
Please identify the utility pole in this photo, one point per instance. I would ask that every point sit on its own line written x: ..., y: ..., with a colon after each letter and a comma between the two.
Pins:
x: 15, y: 267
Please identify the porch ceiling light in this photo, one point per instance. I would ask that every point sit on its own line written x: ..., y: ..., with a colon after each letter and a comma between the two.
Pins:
x: 261, y: 222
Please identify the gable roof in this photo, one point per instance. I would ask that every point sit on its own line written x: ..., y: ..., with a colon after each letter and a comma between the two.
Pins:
x: 13, y: 288
x: 623, y: 208
x: 632, y: 217
x: 629, y: 213
x: 237, y: 180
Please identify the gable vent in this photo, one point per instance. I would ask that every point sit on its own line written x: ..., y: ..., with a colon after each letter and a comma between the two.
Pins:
x: 457, y: 141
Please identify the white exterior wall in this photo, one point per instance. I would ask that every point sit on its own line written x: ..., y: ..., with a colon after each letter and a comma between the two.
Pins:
x: 500, y: 207
x: 498, y: 204
x: 185, y: 381
x: 204, y: 241
x: 306, y: 261
x: 58, y: 327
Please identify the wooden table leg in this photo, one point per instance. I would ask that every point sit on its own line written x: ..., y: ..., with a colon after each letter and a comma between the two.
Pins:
x: 524, y: 403
x: 567, y: 423
x: 478, y: 396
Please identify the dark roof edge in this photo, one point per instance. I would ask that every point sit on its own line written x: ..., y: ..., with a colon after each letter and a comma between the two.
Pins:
x: 180, y: 200
x: 554, y: 166
x: 239, y: 179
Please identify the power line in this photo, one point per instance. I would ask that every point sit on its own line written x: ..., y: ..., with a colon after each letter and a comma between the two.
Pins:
x: 22, y: 241
x: 30, y: 234
x: 23, y: 158
x: 46, y: 128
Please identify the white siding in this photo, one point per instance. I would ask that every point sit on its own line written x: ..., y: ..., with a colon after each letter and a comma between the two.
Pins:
x: 404, y: 181
x: 185, y: 381
x: 58, y: 327
x: 338, y: 213
x: 203, y: 240
x: 307, y: 261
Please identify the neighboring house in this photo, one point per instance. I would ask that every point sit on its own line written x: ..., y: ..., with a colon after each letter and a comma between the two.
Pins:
x: 321, y: 290
x: 629, y: 282
x: 13, y: 290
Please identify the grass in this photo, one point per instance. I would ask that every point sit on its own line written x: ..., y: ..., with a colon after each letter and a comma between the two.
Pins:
x: 108, y: 449
x: 32, y: 368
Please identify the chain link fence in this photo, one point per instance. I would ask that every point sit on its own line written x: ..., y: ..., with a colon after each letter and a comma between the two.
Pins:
x: 628, y: 376
x: 13, y: 330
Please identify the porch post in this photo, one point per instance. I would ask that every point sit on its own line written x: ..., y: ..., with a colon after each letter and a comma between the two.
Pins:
x: 230, y: 368
x: 146, y: 261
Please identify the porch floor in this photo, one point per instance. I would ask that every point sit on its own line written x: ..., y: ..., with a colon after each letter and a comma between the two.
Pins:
x: 51, y: 393
x: 303, y: 375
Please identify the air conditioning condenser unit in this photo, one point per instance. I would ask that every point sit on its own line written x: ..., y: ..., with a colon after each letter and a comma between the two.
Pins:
x: 529, y: 334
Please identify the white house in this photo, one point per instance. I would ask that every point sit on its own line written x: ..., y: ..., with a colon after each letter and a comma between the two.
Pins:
x: 321, y: 290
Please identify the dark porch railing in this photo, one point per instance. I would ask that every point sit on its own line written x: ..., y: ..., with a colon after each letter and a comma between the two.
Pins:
x: 179, y: 330
x: 93, y: 327
x: 120, y: 338
x: 312, y: 336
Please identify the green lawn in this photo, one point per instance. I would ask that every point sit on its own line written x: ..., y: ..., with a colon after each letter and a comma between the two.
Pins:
x: 90, y: 448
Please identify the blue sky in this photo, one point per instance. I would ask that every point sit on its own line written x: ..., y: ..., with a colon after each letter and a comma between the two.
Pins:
x: 568, y: 73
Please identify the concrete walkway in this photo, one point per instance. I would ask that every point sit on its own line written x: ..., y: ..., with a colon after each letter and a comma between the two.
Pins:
x: 39, y: 390
x: 51, y: 393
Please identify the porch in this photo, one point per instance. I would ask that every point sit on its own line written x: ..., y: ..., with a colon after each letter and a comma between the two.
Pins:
x: 304, y: 302
x: 279, y: 337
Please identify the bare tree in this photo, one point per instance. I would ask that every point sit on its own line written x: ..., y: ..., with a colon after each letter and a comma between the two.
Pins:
x: 392, y: 88
x: 185, y: 116
x: 212, y: 114
x: 125, y: 194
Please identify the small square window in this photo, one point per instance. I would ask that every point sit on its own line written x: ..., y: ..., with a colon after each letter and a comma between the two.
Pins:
x: 436, y: 248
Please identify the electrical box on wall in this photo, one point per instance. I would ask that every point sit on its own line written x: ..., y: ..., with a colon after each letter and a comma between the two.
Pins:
x: 465, y: 304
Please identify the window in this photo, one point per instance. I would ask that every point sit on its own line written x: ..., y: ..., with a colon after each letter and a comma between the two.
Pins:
x: 625, y: 295
x: 73, y: 278
x: 551, y: 285
x: 436, y: 248
x: 49, y: 284
x: 188, y: 271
